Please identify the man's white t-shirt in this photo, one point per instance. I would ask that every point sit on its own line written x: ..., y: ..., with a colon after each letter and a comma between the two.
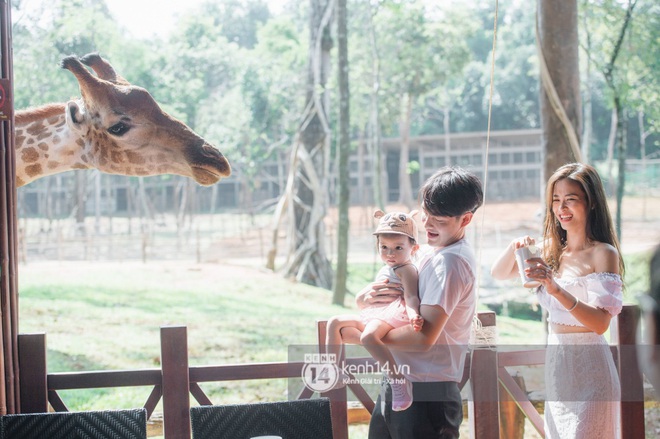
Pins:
x: 447, y: 279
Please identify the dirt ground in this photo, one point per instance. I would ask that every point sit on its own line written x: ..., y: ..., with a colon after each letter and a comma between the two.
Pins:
x: 493, y: 227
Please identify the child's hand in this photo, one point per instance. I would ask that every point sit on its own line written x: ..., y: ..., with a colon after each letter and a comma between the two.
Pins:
x: 417, y: 322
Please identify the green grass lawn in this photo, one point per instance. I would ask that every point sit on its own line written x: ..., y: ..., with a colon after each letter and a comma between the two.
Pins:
x: 107, y: 316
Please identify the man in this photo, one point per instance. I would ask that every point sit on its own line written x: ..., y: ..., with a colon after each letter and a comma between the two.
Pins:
x: 433, y: 358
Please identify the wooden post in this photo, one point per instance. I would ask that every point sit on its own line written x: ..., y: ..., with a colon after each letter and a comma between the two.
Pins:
x: 512, y: 419
x: 176, y: 382
x: 34, y: 378
x: 338, y: 397
x: 483, y: 406
x: 632, y: 388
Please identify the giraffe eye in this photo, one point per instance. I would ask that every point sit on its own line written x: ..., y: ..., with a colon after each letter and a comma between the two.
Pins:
x: 119, y: 129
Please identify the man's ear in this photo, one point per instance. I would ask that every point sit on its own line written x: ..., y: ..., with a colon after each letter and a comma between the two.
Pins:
x: 467, y: 218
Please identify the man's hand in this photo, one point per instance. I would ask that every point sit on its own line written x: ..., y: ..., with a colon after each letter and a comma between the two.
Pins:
x: 378, y: 293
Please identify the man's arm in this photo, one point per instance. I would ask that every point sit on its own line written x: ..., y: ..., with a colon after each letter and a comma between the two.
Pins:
x: 406, y: 339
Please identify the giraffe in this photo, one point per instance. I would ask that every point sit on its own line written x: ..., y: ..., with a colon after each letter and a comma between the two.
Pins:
x: 116, y: 127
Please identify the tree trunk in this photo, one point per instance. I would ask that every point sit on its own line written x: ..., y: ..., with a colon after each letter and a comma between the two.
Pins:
x: 588, y: 117
x: 344, y: 150
x: 611, y: 141
x: 609, y: 74
x: 560, y: 95
x: 307, y: 260
x: 405, y: 187
x: 378, y: 181
x: 588, y: 107
x: 622, y: 143
x: 643, y: 134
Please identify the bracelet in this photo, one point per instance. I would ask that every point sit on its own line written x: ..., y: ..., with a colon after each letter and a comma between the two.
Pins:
x: 577, y: 301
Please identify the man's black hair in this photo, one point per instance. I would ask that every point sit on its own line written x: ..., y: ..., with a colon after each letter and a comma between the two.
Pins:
x: 451, y: 191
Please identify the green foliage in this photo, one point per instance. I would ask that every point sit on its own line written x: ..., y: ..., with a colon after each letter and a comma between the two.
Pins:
x: 236, y: 74
x: 637, y: 276
x: 239, y: 21
x: 633, y: 75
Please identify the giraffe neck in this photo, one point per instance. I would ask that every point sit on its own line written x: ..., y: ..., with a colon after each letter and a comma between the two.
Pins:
x: 45, y: 145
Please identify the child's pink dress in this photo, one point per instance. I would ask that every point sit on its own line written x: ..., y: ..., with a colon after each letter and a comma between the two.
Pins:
x: 394, y: 313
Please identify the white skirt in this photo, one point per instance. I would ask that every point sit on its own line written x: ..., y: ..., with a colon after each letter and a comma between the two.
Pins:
x: 583, y: 392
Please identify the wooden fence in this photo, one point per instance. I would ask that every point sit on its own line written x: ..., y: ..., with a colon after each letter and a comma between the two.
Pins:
x: 176, y: 380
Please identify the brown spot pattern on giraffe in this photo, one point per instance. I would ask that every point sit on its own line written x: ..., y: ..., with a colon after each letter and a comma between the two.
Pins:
x: 116, y: 157
x: 52, y: 164
x: 43, y: 135
x: 35, y: 128
x: 53, y: 121
x: 135, y: 158
x: 43, y: 146
x: 29, y: 155
x: 33, y: 170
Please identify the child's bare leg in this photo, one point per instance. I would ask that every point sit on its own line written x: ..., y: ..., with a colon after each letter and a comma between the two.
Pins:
x: 372, y: 340
x: 333, y: 339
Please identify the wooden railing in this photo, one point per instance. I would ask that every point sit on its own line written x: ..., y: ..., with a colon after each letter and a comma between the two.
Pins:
x: 176, y: 380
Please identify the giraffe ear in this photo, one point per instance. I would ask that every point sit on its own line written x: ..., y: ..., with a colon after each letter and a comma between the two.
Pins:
x: 74, y: 115
x: 378, y: 214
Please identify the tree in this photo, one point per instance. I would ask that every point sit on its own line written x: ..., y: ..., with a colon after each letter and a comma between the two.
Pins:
x: 613, y: 59
x: 343, y: 151
x: 425, y: 50
x: 561, y: 110
x: 304, y: 196
x: 609, y: 73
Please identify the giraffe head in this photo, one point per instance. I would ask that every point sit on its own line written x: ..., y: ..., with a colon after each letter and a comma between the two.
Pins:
x: 123, y: 130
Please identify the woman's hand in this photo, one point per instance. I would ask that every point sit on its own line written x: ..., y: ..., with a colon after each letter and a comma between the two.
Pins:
x: 505, y: 266
x: 541, y: 272
x: 378, y: 293
x: 522, y: 242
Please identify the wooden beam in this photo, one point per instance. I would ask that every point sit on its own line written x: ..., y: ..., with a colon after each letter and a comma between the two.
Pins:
x: 176, y: 382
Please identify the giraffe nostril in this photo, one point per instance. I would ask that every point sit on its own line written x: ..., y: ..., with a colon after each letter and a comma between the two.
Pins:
x: 207, y: 161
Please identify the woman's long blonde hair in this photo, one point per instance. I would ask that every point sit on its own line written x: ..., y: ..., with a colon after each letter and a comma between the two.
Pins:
x: 599, y: 222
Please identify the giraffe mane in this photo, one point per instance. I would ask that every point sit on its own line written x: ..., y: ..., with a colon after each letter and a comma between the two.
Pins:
x: 45, y: 111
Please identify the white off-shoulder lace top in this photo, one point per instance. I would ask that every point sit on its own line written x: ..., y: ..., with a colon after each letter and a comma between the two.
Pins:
x: 602, y: 290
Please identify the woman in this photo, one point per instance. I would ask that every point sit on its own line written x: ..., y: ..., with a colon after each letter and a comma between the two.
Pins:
x: 581, y: 288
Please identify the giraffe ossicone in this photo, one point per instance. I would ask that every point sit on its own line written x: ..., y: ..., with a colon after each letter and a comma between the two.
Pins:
x: 116, y: 127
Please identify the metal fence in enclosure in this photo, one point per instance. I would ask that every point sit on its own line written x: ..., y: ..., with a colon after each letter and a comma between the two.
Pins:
x: 514, y: 167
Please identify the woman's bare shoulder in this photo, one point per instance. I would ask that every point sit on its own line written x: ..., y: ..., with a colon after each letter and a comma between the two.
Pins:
x: 605, y: 257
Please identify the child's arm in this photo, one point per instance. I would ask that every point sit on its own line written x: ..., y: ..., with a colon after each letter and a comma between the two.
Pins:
x: 409, y: 280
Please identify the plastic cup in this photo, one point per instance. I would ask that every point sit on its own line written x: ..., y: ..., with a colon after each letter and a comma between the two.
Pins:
x: 522, y: 254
